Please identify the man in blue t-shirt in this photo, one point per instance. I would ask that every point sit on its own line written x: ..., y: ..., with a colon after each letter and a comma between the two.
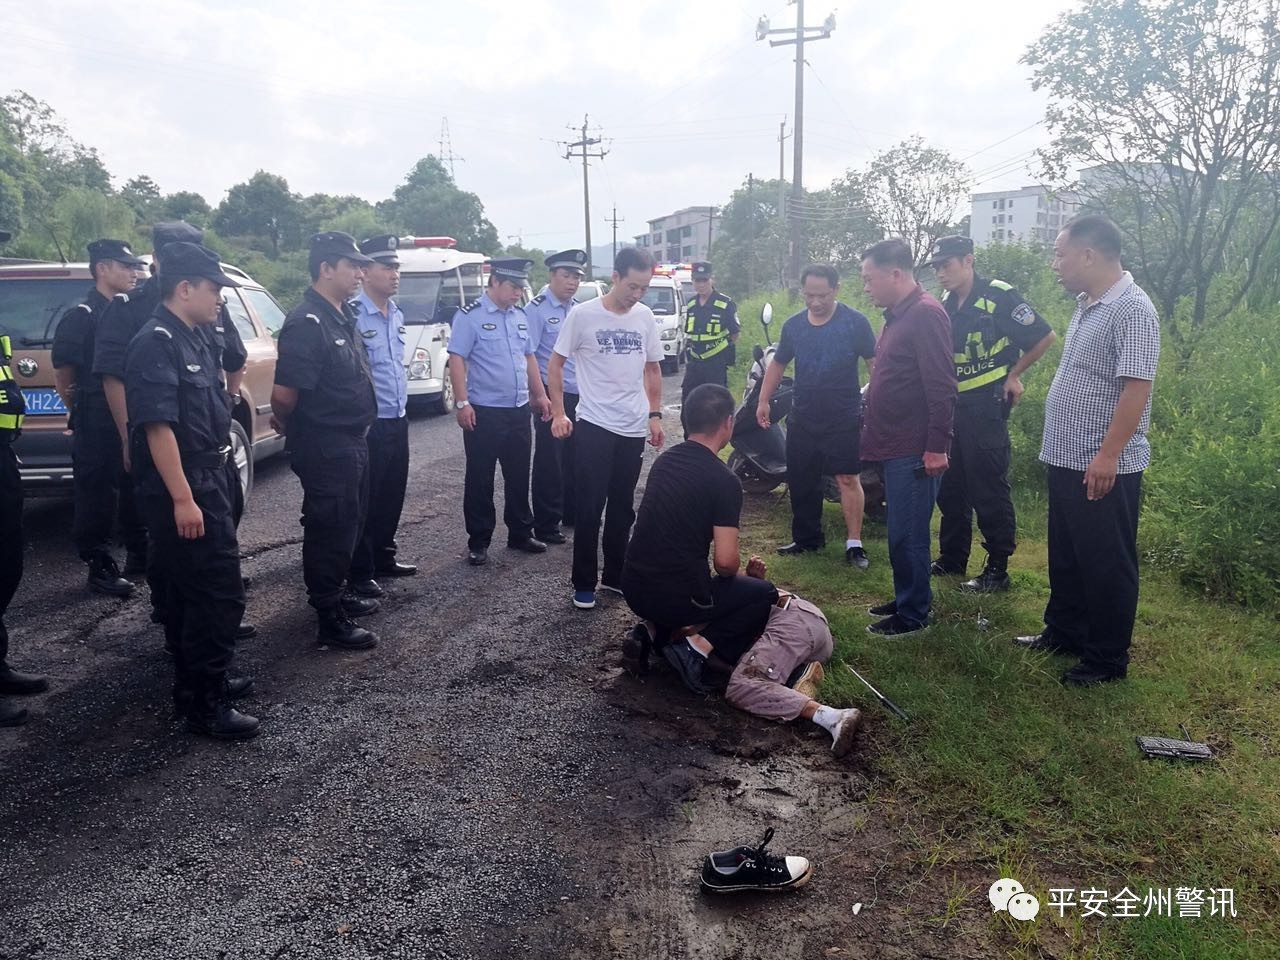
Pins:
x: 825, y: 340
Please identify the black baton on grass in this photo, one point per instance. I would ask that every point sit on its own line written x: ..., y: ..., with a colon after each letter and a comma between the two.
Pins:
x: 878, y: 695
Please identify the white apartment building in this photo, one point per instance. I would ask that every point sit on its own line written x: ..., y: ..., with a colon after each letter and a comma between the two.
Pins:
x: 681, y: 236
x: 1030, y: 215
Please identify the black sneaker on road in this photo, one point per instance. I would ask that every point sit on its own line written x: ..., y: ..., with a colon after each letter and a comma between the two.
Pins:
x: 753, y: 868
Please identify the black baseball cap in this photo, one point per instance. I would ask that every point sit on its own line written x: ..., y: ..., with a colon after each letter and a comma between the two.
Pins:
x: 944, y: 248
x: 117, y: 250
x: 192, y: 261
x: 173, y: 231
x: 334, y: 244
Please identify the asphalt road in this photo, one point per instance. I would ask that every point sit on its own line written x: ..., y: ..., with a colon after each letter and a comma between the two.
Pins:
x: 485, y: 783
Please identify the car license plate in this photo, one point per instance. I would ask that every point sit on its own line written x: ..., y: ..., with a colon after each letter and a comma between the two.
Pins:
x: 44, y: 403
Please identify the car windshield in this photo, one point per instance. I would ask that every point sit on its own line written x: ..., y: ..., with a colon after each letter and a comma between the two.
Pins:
x: 686, y: 287
x: 30, y: 307
x: 661, y: 300
x: 432, y: 297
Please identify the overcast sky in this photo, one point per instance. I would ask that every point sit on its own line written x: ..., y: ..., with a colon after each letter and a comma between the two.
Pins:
x: 343, y: 98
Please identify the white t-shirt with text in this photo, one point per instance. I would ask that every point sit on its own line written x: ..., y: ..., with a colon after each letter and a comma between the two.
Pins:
x: 609, y: 351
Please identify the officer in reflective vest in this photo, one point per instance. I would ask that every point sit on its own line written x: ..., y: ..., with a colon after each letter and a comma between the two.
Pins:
x: 997, y: 337
x: 12, y: 410
x: 711, y: 327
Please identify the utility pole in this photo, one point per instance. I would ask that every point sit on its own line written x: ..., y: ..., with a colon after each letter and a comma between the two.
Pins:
x: 584, y: 145
x: 782, y: 171
x: 751, y: 234
x: 446, y: 153
x: 803, y: 35
x: 615, y: 220
x: 711, y: 229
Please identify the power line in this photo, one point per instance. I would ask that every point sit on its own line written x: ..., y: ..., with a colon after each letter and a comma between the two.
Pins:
x: 583, y: 146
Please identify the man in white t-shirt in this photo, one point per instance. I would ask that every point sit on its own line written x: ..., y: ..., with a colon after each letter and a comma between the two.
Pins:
x: 613, y: 342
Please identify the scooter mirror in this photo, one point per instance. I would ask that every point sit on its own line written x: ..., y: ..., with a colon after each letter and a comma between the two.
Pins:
x: 757, y: 353
x: 766, y: 315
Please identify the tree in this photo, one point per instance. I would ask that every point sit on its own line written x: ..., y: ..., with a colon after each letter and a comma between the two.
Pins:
x: 262, y: 208
x: 538, y: 272
x: 915, y: 191
x: 429, y: 203
x: 350, y: 214
x: 1184, y: 138
x: 143, y: 195
x: 843, y: 223
x: 186, y: 205
x: 752, y: 241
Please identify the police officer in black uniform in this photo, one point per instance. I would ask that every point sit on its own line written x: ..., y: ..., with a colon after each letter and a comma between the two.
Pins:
x: 998, y: 335
x: 179, y: 420
x: 711, y: 328
x: 102, y: 488
x: 119, y: 323
x: 12, y: 410
x: 323, y: 402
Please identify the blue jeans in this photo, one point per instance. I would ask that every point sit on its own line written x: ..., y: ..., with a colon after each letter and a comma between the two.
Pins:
x: 909, y: 497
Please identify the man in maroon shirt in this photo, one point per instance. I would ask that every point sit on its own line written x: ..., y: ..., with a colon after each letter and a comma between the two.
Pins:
x: 906, y: 426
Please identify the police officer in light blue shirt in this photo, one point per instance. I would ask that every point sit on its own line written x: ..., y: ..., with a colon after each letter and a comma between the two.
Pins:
x: 553, y: 500
x: 380, y: 325
x: 495, y: 382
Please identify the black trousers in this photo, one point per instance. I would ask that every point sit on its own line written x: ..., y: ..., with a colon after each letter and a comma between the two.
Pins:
x: 553, y: 480
x: 202, y: 595
x: 1093, y: 567
x: 608, y: 467
x: 10, y: 536
x: 388, y: 442
x: 103, y: 491
x: 503, y: 437
x: 334, y: 470
x: 735, y: 614
x: 698, y: 372
x: 810, y: 455
x: 977, y: 482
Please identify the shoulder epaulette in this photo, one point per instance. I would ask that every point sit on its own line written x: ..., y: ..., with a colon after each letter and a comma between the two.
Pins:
x: 122, y: 297
x: 85, y: 307
x: 573, y: 300
x: 999, y: 285
x: 721, y: 303
x: 540, y: 298
x: 163, y: 332
x: 469, y: 307
x: 312, y: 317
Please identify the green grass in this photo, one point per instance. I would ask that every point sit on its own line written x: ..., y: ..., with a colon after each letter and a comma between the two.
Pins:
x: 1002, y: 767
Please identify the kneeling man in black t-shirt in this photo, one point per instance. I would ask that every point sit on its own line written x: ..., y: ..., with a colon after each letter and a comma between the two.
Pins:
x: 692, y: 504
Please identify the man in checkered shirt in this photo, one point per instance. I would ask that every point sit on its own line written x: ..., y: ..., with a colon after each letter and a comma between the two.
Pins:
x: 1095, y: 445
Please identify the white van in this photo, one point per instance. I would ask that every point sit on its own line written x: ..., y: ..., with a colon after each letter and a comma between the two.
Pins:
x: 665, y: 298
x: 435, y: 281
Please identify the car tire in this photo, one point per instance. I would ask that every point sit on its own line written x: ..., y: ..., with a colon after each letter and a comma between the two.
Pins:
x: 242, y: 453
x: 444, y: 403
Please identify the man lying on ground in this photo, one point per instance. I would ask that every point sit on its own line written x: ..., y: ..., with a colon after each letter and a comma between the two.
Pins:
x: 728, y: 627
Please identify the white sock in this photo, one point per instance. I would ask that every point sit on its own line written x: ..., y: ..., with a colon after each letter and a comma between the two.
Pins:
x: 828, y: 718
x: 852, y: 543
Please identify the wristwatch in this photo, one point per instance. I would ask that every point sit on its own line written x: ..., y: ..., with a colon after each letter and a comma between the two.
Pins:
x: 462, y: 403
x: 655, y: 414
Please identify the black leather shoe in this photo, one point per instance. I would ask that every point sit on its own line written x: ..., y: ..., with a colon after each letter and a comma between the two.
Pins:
x: 12, y: 715
x: 531, y: 545
x: 1085, y: 675
x: 857, y: 557
x: 990, y: 580
x: 942, y: 567
x: 104, y: 577
x: 478, y: 556
x: 555, y: 537
x: 366, y: 588
x: 396, y: 570
x: 237, y: 688
x: 791, y: 549
x: 246, y: 631
x: 354, y: 606
x: 222, y: 722
x: 135, y: 563
x: 339, y: 630
x: 22, y: 684
x: 1045, y: 640
x: 635, y: 650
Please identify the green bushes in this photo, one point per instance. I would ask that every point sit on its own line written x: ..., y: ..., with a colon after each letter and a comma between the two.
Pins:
x: 1211, y: 501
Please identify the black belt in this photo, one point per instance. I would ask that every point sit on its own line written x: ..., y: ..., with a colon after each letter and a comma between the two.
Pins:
x: 212, y: 460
